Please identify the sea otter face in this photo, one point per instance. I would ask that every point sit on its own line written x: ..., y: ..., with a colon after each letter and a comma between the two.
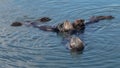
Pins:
x: 79, y: 24
x: 76, y: 44
x: 67, y: 26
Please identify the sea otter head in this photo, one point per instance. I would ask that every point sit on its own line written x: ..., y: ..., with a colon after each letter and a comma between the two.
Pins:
x: 67, y: 26
x: 76, y: 44
x: 79, y: 24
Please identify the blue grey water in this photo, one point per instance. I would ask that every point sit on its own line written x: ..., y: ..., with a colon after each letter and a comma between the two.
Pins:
x: 28, y: 47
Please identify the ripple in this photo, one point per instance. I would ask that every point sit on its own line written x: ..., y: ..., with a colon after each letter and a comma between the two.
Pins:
x: 28, y: 47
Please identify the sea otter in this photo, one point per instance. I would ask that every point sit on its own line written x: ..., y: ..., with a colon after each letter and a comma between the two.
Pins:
x: 79, y: 24
x: 65, y: 26
x: 75, y: 44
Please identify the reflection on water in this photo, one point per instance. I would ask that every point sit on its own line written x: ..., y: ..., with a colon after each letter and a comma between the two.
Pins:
x: 28, y: 47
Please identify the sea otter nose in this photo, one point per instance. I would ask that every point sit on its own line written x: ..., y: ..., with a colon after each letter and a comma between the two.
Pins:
x: 76, y: 44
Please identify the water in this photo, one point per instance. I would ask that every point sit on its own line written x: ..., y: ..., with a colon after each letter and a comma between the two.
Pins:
x: 28, y: 47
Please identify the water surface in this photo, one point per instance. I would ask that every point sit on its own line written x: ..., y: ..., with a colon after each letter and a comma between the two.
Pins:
x: 28, y: 47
